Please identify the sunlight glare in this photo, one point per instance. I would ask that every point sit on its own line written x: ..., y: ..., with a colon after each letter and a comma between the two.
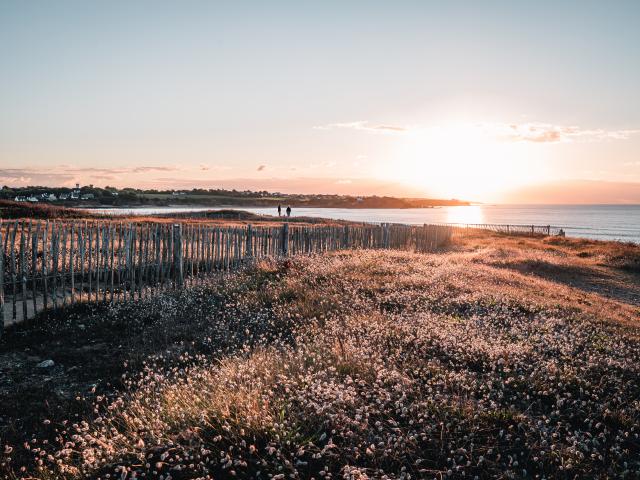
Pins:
x: 471, y: 215
x: 460, y: 161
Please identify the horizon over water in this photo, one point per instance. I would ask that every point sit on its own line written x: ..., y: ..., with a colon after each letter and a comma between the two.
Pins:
x: 599, y: 222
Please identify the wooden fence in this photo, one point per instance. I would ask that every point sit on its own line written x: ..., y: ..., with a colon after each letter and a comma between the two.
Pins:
x: 460, y: 228
x: 50, y: 264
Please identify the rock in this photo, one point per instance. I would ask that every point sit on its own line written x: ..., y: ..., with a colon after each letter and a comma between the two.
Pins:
x: 46, y: 364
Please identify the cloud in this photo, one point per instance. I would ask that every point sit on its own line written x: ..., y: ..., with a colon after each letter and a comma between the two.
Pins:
x: 28, y: 176
x: 535, y: 132
x: 550, y: 133
x: 344, y: 182
x: 153, y: 169
x: 261, y: 168
x: 204, y: 167
x: 68, y: 174
x: 99, y: 171
x: 365, y: 127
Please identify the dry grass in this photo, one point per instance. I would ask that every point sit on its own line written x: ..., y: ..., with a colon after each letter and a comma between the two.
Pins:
x: 18, y: 210
x: 485, y: 361
x: 621, y: 255
x: 221, y: 217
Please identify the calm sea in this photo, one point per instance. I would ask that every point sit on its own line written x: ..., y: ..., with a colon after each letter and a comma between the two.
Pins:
x: 603, y: 222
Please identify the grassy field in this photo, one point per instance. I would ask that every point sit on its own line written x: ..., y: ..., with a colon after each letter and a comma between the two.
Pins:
x: 497, y: 358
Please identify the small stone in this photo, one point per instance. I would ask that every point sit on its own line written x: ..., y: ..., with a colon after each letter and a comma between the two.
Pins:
x: 46, y: 364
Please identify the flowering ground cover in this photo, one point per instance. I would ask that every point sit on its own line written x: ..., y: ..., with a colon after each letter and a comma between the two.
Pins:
x: 497, y: 358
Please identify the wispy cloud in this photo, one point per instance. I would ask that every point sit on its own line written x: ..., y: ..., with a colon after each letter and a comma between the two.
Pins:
x: 534, y: 132
x: 206, y: 167
x: 69, y: 174
x: 261, y: 168
x: 550, y: 133
x: 27, y: 176
x: 93, y: 171
x: 365, y: 127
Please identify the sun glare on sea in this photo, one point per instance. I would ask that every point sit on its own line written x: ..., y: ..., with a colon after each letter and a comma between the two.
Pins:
x: 460, y: 161
x: 471, y: 214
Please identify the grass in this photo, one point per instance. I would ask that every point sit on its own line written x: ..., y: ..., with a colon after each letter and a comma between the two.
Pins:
x: 485, y: 360
x: 10, y: 210
x: 43, y: 211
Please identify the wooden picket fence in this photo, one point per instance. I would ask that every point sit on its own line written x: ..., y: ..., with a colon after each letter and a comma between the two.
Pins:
x: 46, y: 265
x: 530, y: 230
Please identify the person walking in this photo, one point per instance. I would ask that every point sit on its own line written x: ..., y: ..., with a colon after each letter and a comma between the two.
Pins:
x: 288, y: 211
x: 279, y: 210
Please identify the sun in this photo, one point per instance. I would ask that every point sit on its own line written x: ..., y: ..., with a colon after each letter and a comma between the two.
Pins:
x: 460, y: 161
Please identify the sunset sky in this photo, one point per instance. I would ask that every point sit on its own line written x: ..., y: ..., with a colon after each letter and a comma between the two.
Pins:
x: 486, y: 101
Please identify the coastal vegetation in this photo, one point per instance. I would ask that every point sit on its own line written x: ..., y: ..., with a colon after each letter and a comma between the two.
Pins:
x: 496, y: 356
x: 11, y: 210
x: 111, y: 196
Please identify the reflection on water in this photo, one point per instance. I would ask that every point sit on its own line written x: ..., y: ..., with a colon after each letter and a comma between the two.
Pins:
x: 471, y: 214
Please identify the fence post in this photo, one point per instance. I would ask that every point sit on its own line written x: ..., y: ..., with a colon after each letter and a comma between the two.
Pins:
x: 548, y: 230
x: 285, y: 239
x: 23, y: 271
x: 1, y: 282
x: 177, y: 255
x: 249, y: 249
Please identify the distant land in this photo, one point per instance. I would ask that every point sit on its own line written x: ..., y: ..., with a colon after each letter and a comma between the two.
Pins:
x: 90, y: 196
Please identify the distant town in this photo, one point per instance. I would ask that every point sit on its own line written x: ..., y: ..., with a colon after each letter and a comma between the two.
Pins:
x: 91, y: 196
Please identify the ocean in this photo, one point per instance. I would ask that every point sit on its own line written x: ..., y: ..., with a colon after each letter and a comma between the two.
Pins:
x: 600, y: 222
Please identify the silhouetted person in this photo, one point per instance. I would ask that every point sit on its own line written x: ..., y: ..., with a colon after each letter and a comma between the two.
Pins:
x: 279, y: 210
x: 288, y: 211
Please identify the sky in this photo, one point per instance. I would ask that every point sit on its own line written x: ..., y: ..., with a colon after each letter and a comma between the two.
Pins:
x: 486, y: 101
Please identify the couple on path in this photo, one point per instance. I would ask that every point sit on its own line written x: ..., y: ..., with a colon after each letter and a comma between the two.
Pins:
x: 280, y: 211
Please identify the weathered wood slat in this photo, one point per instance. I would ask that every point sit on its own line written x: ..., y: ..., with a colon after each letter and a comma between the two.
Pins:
x: 63, y: 268
x: 178, y: 273
x: 13, y: 272
x: 121, y: 255
x: 34, y: 267
x: 72, y: 263
x: 90, y: 261
x: 55, y: 245
x: 2, y: 256
x: 97, y: 252
x: 23, y: 269
x: 82, y: 237
x: 112, y: 240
